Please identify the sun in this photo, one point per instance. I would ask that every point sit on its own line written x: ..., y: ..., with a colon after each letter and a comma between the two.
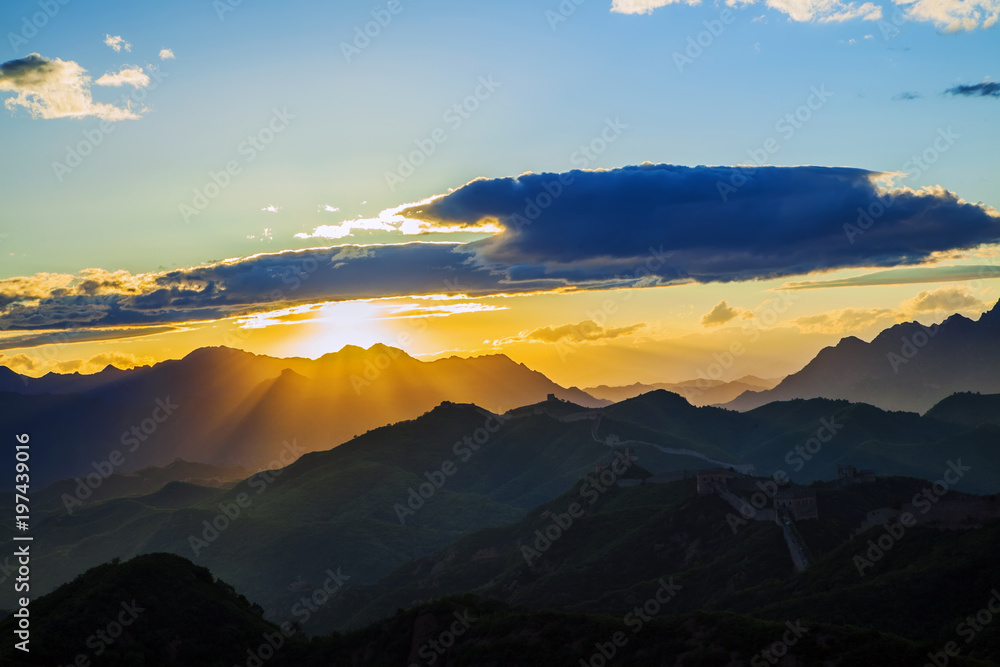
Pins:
x: 318, y: 329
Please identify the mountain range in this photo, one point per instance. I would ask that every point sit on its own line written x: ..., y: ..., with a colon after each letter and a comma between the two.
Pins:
x: 906, y: 367
x: 226, y: 407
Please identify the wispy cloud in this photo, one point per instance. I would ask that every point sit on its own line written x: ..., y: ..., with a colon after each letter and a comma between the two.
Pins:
x: 587, y: 331
x: 929, y: 274
x: 822, y: 11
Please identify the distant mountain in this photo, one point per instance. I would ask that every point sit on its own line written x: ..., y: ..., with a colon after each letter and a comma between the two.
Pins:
x: 906, y: 367
x: 698, y: 392
x: 227, y: 407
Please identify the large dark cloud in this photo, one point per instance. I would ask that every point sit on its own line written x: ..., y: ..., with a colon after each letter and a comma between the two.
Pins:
x: 718, y: 223
x: 644, y: 225
x: 986, y: 89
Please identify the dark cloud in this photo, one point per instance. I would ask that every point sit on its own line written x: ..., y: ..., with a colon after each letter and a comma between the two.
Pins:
x: 719, y: 223
x: 635, y: 226
x: 985, y: 89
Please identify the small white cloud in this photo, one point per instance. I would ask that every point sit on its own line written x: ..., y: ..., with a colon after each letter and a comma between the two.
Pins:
x: 126, y: 76
x: 166, y: 54
x: 117, y: 43
x: 271, y: 208
x: 328, y: 208
x: 759, y: 19
x: 869, y: 37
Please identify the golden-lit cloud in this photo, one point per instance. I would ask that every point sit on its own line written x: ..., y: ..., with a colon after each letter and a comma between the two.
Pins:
x: 721, y: 314
x: 935, y: 303
x: 55, y: 89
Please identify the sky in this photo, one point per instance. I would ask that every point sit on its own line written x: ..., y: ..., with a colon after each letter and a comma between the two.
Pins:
x: 608, y: 191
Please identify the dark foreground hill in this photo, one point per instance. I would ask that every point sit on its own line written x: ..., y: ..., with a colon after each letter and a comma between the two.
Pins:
x: 163, y: 611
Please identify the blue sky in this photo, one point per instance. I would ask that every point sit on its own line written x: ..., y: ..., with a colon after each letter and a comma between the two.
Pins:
x: 556, y: 87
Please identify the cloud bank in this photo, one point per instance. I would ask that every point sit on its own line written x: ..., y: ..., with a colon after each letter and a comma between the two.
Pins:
x: 645, y: 225
x: 56, y: 89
